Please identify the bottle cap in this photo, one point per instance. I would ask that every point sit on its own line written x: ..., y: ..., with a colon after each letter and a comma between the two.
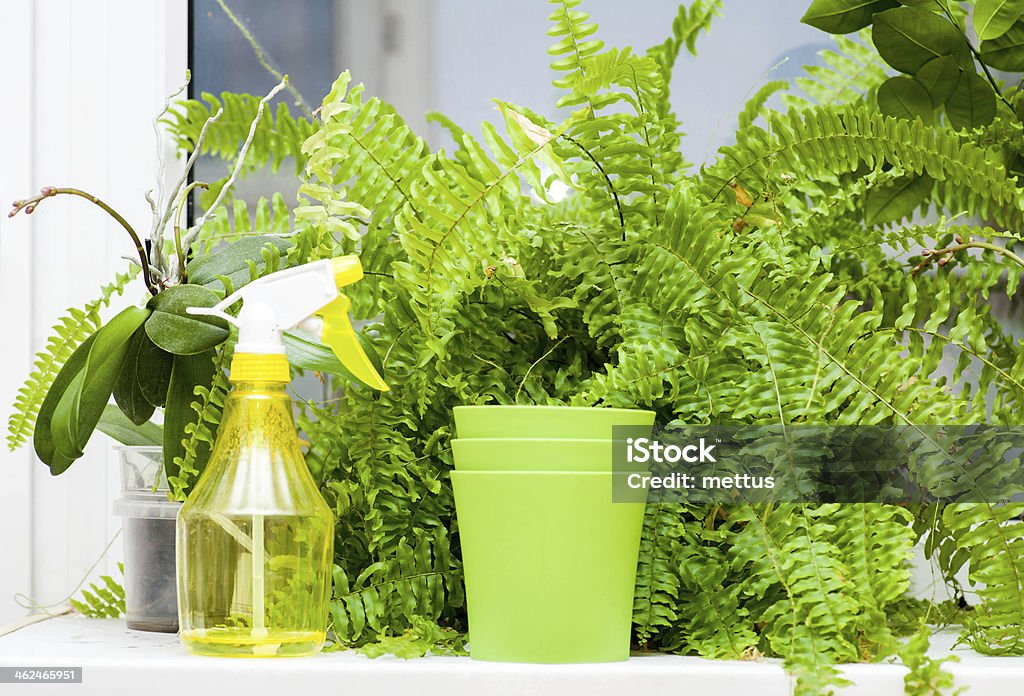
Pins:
x: 259, y: 367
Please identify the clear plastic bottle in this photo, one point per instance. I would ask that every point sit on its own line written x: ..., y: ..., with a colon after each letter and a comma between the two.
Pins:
x: 255, y: 538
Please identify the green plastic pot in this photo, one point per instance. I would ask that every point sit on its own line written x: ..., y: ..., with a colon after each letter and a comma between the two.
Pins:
x: 543, y: 422
x: 549, y: 563
x: 494, y: 454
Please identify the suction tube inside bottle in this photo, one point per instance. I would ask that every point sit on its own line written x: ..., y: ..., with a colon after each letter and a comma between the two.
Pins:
x: 259, y: 628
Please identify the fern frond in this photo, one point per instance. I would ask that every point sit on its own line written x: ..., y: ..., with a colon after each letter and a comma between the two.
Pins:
x: 279, y: 136
x: 799, y: 585
x: 572, y: 49
x: 587, y: 264
x: 823, y: 141
x: 270, y: 217
x: 755, y: 106
x: 994, y: 538
x: 926, y: 676
x: 69, y: 331
x: 392, y: 595
x: 876, y: 542
x: 849, y: 73
x: 102, y: 601
x: 459, y: 231
x: 689, y: 23
x: 716, y: 625
x: 201, y: 432
x: 363, y: 152
x: 655, y: 599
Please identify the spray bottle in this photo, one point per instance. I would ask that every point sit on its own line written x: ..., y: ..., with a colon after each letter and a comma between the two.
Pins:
x: 255, y: 539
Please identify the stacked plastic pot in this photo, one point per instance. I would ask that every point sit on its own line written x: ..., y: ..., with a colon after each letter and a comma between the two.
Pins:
x: 549, y: 558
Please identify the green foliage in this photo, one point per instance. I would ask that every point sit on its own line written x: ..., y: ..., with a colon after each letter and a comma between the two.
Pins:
x: 928, y: 43
x: 398, y: 596
x: 75, y: 402
x: 993, y: 18
x: 993, y: 538
x: 657, y: 583
x: 780, y: 284
x: 196, y: 431
x: 102, y: 601
x: 843, y: 16
x: 755, y: 106
x: 926, y: 677
x: 279, y: 136
x: 847, y: 74
x: 67, y: 334
x: 690, y: 22
x: 758, y: 290
x: 271, y: 217
x: 421, y: 638
x: 114, y: 423
x: 161, y: 355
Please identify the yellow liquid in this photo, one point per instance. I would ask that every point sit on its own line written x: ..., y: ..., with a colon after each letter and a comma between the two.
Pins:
x: 240, y: 642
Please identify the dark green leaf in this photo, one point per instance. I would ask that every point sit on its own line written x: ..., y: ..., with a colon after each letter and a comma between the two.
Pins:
x: 972, y: 104
x: 233, y: 261
x: 909, y: 37
x: 905, y: 97
x: 306, y: 353
x: 993, y: 18
x: 79, y: 408
x: 843, y: 16
x: 173, y: 329
x: 1006, y: 52
x: 114, y: 423
x: 128, y: 391
x: 189, y: 371
x: 154, y: 371
x: 940, y: 7
x: 42, y: 439
x: 939, y: 77
x: 896, y: 200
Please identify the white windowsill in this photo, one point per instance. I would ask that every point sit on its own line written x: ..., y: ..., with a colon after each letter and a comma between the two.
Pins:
x: 115, y: 660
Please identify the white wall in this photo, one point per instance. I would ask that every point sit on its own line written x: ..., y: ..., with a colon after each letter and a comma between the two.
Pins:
x: 83, y: 82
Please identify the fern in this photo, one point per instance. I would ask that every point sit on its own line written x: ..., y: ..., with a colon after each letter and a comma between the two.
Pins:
x: 444, y: 241
x: 69, y: 331
x: 765, y: 289
x: 716, y: 625
x: 279, y: 136
x: 419, y: 639
x: 657, y: 586
x: 102, y: 601
x: 269, y: 217
x: 848, y: 74
x: 689, y: 23
x: 755, y: 106
x: 805, y: 601
x: 926, y: 676
x: 821, y: 141
x: 200, y: 433
x: 572, y: 49
x: 994, y: 538
x: 419, y: 582
x: 363, y: 151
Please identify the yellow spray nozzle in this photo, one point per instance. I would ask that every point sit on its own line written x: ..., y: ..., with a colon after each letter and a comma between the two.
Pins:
x: 339, y: 336
x: 347, y: 270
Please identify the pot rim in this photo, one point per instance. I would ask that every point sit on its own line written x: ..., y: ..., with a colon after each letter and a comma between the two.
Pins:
x: 549, y: 407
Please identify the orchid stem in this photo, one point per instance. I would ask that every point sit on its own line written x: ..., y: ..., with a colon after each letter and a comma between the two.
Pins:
x: 29, y: 205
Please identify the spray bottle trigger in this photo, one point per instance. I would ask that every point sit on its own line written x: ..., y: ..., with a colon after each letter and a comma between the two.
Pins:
x: 340, y: 337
